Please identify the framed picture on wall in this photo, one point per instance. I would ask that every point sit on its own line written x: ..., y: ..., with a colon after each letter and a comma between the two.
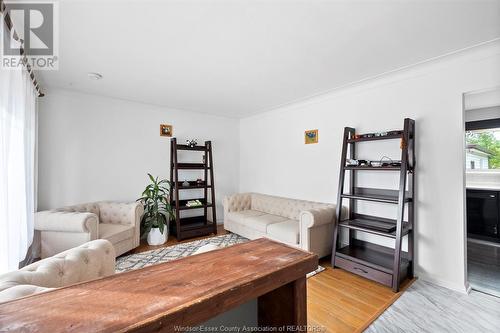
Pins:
x: 311, y: 136
x: 166, y: 130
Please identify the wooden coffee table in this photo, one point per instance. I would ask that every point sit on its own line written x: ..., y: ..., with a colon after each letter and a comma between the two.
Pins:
x: 184, y: 292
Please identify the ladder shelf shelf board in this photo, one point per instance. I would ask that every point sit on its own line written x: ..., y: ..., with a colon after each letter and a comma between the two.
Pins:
x: 191, y: 166
x: 374, y: 225
x: 195, y: 148
x: 183, y: 206
x: 375, y: 138
x: 192, y: 226
x: 370, y: 168
x: 377, y: 195
x: 192, y: 184
x: 389, y: 266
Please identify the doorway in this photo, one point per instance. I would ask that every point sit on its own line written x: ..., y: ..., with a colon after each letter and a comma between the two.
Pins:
x: 482, y: 182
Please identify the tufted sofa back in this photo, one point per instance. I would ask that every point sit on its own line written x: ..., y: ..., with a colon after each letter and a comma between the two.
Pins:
x: 89, y: 261
x: 115, y: 212
x: 92, y: 207
x: 289, y: 208
x: 107, y: 211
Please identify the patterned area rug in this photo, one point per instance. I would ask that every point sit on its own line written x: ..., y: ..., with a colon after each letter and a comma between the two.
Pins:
x: 165, y: 254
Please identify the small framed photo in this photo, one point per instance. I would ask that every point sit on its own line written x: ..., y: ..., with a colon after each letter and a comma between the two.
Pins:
x: 311, y: 136
x: 166, y: 130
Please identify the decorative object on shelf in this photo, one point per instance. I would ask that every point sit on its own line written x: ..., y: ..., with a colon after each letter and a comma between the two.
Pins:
x: 157, y: 210
x: 386, y: 265
x: 352, y: 162
x: 166, y: 130
x: 362, y: 162
x: 194, y: 203
x: 203, y: 222
x: 387, y: 161
x: 383, y: 162
x: 191, y: 143
x: 311, y: 136
x: 185, y: 183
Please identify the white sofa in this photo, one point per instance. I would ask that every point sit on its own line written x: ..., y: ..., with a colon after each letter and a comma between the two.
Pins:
x: 67, y: 227
x: 304, y: 224
x: 89, y: 261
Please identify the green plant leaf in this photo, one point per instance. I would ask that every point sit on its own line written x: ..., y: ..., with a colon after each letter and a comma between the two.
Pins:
x: 151, y: 177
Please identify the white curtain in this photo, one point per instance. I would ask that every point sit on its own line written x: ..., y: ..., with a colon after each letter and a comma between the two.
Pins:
x: 17, y: 166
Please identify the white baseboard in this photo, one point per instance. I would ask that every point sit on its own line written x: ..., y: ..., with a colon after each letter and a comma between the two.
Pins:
x: 463, y: 289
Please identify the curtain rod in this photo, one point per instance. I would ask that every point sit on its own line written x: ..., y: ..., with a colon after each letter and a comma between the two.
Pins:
x: 10, y: 26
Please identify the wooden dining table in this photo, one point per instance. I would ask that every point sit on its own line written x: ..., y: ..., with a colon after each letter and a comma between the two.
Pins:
x: 182, y: 293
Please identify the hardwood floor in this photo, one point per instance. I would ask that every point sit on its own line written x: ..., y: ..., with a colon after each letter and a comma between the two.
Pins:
x: 337, y: 301
x: 343, y: 302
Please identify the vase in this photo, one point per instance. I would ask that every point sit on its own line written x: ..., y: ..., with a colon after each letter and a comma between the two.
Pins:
x: 155, y: 237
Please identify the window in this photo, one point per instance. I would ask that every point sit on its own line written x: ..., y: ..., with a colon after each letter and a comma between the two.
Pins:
x: 483, y: 149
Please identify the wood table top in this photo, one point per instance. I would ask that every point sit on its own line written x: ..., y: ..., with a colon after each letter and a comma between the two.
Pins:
x: 183, y: 292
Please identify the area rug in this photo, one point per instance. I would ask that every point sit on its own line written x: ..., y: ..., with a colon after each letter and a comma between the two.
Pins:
x: 140, y: 260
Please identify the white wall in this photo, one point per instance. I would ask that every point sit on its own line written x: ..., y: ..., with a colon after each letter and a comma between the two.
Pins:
x: 274, y: 159
x: 96, y: 148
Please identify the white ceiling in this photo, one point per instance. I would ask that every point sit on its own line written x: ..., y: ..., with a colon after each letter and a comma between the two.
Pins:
x: 237, y: 58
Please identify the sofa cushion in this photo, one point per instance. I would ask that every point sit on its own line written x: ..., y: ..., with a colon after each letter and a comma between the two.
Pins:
x: 239, y: 217
x: 261, y: 222
x: 115, y: 233
x: 287, y: 231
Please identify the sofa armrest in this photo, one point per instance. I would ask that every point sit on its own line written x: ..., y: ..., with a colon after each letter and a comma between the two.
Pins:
x: 316, y: 229
x: 237, y: 202
x: 60, y: 221
x: 316, y: 217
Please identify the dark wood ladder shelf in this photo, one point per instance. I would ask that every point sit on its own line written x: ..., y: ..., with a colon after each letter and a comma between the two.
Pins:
x: 389, y: 266
x: 192, y: 226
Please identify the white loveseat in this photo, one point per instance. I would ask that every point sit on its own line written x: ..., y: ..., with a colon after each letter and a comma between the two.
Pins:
x: 304, y: 224
x: 67, y: 227
x: 89, y: 261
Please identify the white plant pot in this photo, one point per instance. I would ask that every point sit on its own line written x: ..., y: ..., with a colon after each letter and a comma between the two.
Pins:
x: 155, y: 237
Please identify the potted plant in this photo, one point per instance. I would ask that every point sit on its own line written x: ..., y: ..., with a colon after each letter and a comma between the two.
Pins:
x: 157, y: 211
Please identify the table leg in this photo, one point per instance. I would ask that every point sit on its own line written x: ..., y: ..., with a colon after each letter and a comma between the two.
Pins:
x: 284, y: 307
